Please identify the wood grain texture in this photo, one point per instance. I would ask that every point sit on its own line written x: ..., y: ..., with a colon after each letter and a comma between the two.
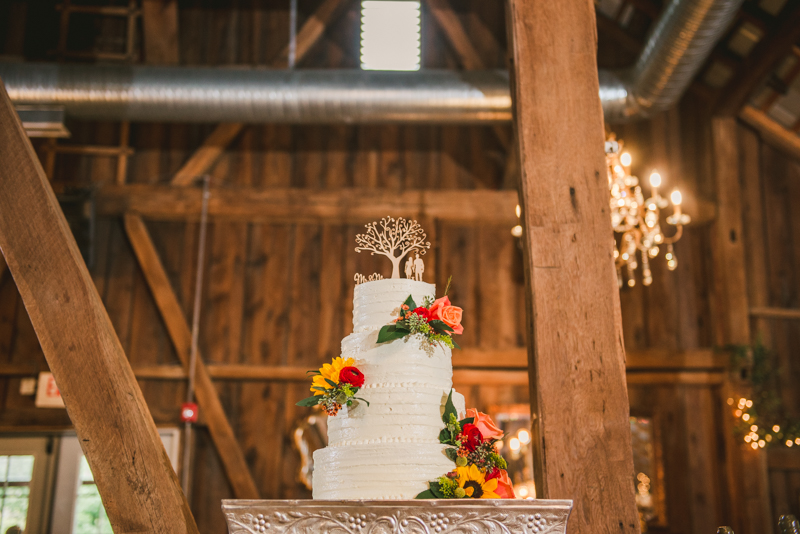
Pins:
x: 448, y: 21
x: 311, y: 31
x: 775, y: 134
x: 307, y: 205
x: 139, y: 489
x: 160, y: 29
x: 220, y: 429
x: 577, y: 362
x: 207, y: 155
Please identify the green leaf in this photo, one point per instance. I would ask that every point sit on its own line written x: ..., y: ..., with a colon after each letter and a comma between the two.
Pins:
x: 440, y: 326
x: 310, y: 401
x: 436, y: 490
x: 445, y: 437
x: 449, y: 408
x: 410, y: 303
x: 312, y: 372
x: 466, y: 421
x: 333, y: 384
x: 427, y: 494
x: 390, y: 333
x: 451, y: 453
x: 362, y: 400
x: 319, y: 388
x: 455, y: 345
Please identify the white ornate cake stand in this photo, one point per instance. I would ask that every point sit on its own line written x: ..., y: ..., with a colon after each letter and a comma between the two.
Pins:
x: 397, y: 517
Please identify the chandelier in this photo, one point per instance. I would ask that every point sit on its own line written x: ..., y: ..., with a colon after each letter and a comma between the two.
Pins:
x: 637, y: 219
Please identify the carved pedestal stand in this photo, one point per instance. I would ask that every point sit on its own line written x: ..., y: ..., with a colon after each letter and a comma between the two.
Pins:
x: 398, y: 517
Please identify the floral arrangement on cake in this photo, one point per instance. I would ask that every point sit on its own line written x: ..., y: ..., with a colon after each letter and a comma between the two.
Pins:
x: 480, y: 471
x: 437, y: 320
x: 335, y: 385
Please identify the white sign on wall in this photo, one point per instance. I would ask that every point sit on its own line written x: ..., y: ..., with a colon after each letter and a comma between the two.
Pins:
x: 47, y: 394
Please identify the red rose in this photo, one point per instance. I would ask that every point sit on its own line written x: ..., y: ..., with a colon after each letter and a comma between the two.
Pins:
x: 470, y: 437
x: 352, y: 376
x: 424, y: 313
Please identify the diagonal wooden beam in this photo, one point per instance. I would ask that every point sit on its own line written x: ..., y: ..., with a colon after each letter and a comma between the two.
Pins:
x: 312, y: 31
x: 137, y: 484
x: 208, y: 153
x: 776, y: 44
x: 230, y: 452
x: 448, y: 21
x: 772, y: 132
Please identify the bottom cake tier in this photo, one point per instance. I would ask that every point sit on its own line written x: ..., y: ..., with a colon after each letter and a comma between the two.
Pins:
x: 392, y: 470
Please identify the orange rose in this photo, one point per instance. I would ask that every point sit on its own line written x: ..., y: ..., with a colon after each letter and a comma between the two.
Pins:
x: 505, y: 489
x: 450, y: 315
x: 488, y: 429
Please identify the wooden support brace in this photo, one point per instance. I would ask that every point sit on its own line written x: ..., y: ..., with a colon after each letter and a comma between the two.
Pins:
x: 138, y: 487
x: 208, y: 154
x: 311, y: 31
x: 772, y: 132
x: 579, y: 400
x: 230, y: 452
x: 448, y: 21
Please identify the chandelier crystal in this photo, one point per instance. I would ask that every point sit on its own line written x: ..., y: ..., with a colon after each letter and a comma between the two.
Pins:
x: 638, y: 220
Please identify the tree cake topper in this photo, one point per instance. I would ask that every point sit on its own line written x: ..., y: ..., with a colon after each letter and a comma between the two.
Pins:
x: 394, y: 238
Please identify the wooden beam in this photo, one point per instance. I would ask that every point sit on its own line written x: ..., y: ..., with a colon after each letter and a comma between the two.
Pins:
x: 448, y: 21
x: 312, y: 31
x: 766, y: 54
x: 219, y: 427
x: 784, y: 459
x: 577, y: 362
x: 138, y: 487
x: 775, y: 313
x: 160, y: 29
x: 773, y: 133
x: 209, y: 152
x: 296, y: 205
x: 654, y: 360
x: 461, y: 376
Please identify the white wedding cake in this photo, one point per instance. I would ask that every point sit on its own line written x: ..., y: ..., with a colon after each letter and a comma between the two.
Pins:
x: 389, y: 449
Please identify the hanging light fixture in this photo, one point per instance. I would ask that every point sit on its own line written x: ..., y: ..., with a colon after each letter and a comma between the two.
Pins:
x: 638, y: 220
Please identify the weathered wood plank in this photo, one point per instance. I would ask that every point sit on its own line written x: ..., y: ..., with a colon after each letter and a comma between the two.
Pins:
x: 581, y: 432
x: 221, y: 432
x: 207, y: 155
x: 772, y: 132
x: 139, y: 488
x: 160, y: 29
x: 311, y: 31
x: 579, y: 396
x: 448, y: 21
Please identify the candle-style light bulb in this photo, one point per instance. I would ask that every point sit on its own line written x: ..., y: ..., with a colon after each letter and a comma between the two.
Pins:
x: 655, y: 179
x: 676, y: 197
x: 625, y: 159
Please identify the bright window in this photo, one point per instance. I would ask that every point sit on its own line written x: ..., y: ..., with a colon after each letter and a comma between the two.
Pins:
x: 16, y: 474
x: 390, y: 35
x: 90, y: 515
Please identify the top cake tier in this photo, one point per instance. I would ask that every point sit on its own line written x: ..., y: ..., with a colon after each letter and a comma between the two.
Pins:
x: 377, y: 303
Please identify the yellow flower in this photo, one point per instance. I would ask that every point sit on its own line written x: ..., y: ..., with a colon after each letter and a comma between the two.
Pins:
x: 474, y: 483
x: 331, y: 372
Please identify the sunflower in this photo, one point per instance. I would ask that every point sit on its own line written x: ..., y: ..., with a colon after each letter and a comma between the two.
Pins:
x: 473, y: 481
x: 331, y: 372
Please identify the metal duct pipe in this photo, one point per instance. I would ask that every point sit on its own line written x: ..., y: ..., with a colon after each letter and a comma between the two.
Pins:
x: 168, y: 94
x: 677, y: 46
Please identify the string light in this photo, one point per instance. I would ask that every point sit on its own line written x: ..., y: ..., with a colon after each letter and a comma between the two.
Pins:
x: 759, y: 437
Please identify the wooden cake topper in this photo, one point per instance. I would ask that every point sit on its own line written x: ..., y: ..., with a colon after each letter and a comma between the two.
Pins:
x: 396, y: 238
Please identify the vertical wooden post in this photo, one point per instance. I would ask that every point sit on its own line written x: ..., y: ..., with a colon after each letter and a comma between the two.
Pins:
x: 746, y: 468
x: 137, y: 484
x: 576, y: 355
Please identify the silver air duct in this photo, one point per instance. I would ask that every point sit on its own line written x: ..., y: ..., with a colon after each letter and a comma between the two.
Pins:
x: 677, y: 46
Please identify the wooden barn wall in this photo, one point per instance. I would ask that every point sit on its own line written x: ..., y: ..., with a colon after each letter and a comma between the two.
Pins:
x: 282, y: 294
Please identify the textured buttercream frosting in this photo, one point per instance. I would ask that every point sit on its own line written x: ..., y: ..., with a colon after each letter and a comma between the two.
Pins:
x: 389, y: 449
